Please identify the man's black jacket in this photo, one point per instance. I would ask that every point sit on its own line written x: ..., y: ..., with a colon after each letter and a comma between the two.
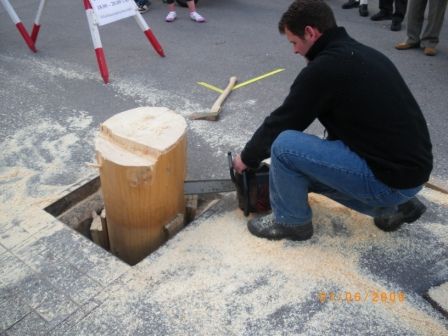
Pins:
x: 360, y: 98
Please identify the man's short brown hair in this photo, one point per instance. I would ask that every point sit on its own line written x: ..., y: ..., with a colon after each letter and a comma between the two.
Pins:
x: 302, y: 13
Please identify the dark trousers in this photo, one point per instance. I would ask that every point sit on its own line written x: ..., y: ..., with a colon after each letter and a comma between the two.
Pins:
x: 416, y: 16
x: 142, y: 2
x: 400, y: 7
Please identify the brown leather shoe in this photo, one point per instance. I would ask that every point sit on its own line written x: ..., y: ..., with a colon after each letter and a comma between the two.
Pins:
x: 428, y: 51
x: 406, y: 45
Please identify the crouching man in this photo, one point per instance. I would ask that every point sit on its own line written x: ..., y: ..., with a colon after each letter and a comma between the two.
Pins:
x: 377, y: 153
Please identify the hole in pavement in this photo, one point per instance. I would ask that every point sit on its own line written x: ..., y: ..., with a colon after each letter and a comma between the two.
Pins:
x: 83, y: 211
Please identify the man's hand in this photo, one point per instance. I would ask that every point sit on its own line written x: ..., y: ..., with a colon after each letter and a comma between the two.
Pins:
x: 238, y: 164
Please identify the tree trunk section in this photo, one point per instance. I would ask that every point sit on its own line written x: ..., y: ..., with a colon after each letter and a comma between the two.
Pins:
x: 141, y: 155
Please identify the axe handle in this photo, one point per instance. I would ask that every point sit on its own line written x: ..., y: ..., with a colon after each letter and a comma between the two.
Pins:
x: 217, y: 104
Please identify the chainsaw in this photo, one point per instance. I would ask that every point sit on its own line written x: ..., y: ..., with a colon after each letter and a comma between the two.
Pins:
x: 252, y: 187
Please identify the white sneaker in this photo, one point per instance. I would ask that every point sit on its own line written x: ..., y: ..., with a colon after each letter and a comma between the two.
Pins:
x: 195, y: 16
x: 171, y: 17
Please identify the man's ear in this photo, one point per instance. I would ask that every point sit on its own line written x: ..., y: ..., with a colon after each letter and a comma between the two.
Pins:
x: 312, y: 33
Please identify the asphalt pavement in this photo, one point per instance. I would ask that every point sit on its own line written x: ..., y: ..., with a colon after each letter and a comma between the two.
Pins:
x: 240, y: 39
x: 51, y: 105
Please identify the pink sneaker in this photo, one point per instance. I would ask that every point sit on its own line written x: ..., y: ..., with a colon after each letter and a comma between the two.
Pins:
x: 195, y: 16
x: 171, y: 17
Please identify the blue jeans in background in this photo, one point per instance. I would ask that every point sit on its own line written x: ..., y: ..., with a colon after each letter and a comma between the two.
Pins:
x: 303, y: 163
x: 142, y: 2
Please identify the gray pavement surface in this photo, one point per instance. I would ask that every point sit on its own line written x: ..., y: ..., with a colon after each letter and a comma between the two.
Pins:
x: 54, y: 281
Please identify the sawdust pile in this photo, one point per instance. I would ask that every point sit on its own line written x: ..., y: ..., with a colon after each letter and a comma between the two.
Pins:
x: 216, y: 278
x: 36, y: 156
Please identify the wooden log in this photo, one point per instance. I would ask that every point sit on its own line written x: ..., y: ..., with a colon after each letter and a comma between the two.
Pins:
x: 173, y: 227
x: 141, y: 155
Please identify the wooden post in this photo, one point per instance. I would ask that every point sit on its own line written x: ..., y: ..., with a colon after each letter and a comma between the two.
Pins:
x: 141, y: 155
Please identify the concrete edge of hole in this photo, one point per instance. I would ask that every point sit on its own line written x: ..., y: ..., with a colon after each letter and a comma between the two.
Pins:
x: 437, y: 296
x: 74, y: 208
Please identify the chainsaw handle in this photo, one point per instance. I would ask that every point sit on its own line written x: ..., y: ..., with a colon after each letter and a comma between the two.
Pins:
x: 245, y: 184
x: 246, y: 194
x: 232, y: 172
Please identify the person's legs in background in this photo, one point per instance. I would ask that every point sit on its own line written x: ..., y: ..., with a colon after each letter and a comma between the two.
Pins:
x: 416, y: 16
x: 385, y: 12
x: 398, y: 15
x: 194, y: 15
x: 363, y: 8
x: 171, y: 16
x: 430, y: 36
x: 350, y: 4
x: 143, y: 5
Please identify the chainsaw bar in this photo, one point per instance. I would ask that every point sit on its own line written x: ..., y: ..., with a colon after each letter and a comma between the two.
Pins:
x: 208, y: 186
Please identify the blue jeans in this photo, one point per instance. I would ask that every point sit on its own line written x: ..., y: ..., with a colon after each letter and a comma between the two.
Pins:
x: 303, y: 163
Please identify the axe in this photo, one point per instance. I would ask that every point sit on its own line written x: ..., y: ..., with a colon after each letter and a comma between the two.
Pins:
x: 213, y: 115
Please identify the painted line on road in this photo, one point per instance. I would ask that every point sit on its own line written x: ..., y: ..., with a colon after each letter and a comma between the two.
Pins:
x: 211, y: 87
x: 250, y: 81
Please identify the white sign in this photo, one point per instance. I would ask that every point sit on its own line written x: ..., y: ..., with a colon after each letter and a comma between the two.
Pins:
x: 108, y: 11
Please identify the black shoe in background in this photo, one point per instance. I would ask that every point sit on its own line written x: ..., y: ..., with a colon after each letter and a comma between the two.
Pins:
x: 381, y: 15
x: 350, y: 4
x: 363, y: 10
x: 143, y: 9
x: 266, y: 227
x: 396, y: 25
x: 407, y: 213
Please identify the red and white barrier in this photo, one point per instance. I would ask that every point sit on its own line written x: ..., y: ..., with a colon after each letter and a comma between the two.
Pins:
x: 36, y: 26
x: 94, y: 22
x: 20, y: 27
x: 148, y: 32
x: 94, y: 32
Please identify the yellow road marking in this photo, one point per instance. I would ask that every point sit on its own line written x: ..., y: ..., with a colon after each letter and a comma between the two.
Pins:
x: 250, y: 81
x: 211, y: 87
